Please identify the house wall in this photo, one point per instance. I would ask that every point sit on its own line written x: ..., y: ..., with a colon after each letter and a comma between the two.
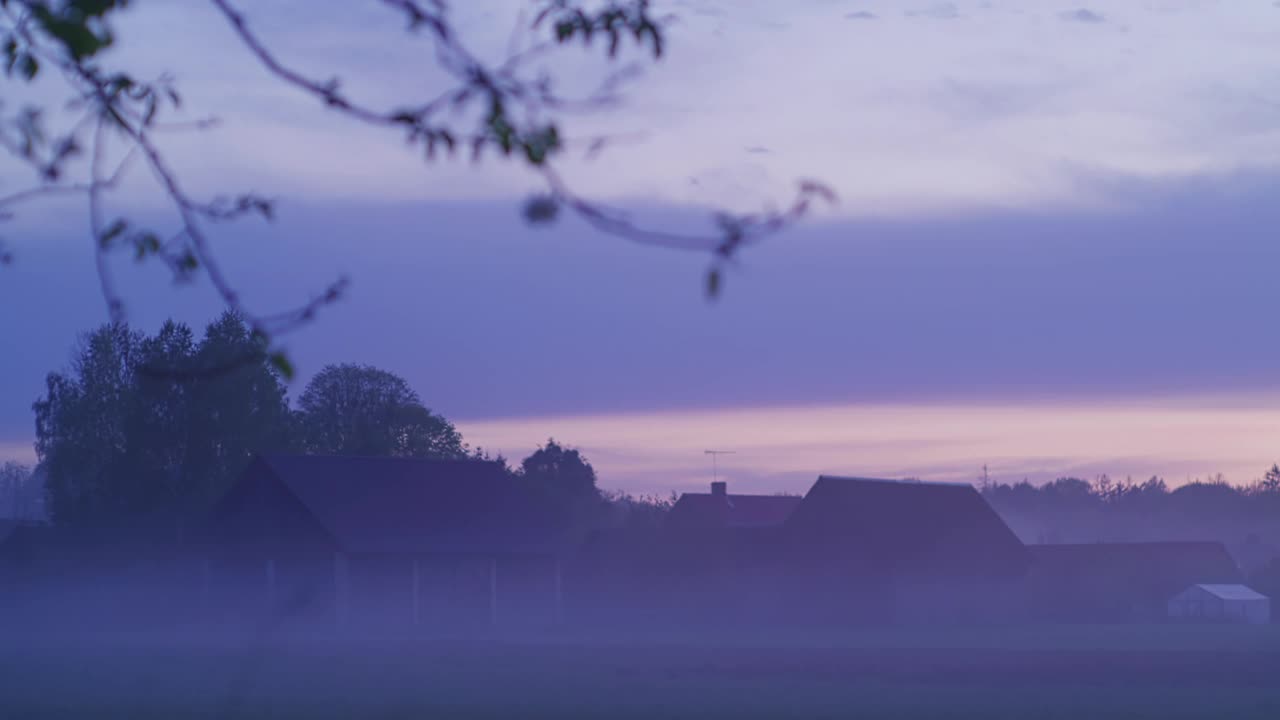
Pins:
x: 384, y: 590
x: 1197, y: 604
x: 1258, y: 612
x: 942, y: 601
x: 453, y: 591
x: 267, y: 584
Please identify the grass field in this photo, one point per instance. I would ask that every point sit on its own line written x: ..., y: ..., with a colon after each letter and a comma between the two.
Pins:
x: 1045, y: 672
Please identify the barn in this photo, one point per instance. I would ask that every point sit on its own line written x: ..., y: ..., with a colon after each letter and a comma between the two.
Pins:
x: 851, y: 551
x: 1221, y: 603
x: 1121, y: 582
x: 903, y: 551
x: 394, y: 541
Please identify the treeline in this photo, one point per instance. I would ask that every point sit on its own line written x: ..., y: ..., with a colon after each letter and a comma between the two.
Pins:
x: 1245, y: 517
x: 21, y: 493
x: 153, y: 429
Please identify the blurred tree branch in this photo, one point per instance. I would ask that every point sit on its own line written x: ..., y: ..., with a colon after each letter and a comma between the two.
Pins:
x: 508, y: 108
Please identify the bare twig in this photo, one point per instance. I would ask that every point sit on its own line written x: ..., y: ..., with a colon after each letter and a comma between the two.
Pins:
x: 101, y: 241
x: 74, y: 189
x: 511, y: 104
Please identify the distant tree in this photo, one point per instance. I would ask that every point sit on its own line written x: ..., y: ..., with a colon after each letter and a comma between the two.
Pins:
x: 1073, y: 510
x: 152, y: 476
x: 141, y: 426
x: 361, y: 410
x: 21, y: 492
x: 1147, y: 496
x: 1069, y: 492
x: 1213, y: 498
x: 567, y: 476
x: 237, y: 409
x: 636, y: 511
x: 240, y: 408
x: 1023, y: 494
x: 80, y: 424
x: 1271, y: 481
x: 984, y: 480
x: 1106, y: 489
x: 12, y: 476
x: 562, y: 470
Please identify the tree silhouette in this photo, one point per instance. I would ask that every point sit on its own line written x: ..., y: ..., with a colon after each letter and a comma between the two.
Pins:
x: 567, y: 476
x: 118, y: 444
x: 1271, y: 480
x: 361, y: 410
x: 21, y: 492
x: 563, y: 470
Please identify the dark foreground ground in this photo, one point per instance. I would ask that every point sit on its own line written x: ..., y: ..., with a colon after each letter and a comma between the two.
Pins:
x: 1056, y: 672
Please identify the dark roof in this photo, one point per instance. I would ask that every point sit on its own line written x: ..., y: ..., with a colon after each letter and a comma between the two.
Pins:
x: 1118, y: 582
x: 381, y: 505
x: 707, y: 510
x: 1160, y: 567
x: 905, y: 527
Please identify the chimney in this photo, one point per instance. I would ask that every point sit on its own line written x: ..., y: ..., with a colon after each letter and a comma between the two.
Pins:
x: 719, y: 489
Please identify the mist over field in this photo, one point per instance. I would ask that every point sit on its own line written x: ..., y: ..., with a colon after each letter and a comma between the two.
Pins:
x: 639, y: 359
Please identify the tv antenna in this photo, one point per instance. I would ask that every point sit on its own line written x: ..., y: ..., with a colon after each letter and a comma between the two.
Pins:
x: 715, y: 465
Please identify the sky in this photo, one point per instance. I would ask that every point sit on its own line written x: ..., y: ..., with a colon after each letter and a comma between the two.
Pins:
x: 1054, y: 251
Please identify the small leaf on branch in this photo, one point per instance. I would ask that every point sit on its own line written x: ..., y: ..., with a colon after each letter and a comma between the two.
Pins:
x: 281, y: 362
x: 112, y: 232
x: 541, y: 209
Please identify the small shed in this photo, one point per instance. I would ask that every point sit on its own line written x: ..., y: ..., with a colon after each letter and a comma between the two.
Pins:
x: 1121, y: 582
x: 1234, y: 603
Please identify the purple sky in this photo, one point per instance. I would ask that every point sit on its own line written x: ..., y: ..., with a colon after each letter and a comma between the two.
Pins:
x: 1050, y: 219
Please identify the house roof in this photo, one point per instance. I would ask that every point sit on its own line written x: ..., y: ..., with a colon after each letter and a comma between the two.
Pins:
x: 1160, y: 568
x: 1232, y: 592
x: 415, y: 505
x: 707, y: 510
x: 906, y: 527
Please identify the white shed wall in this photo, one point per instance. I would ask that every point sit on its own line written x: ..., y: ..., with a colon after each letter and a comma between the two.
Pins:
x: 1197, y: 603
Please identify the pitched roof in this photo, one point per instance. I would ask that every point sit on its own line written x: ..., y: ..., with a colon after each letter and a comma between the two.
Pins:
x: 906, y: 527
x: 415, y: 505
x: 1159, y: 568
x: 1232, y: 592
x: 1209, y: 557
x: 707, y: 510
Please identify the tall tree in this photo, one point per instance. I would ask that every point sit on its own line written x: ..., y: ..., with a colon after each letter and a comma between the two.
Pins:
x: 1271, y: 480
x: 21, y: 492
x: 360, y: 410
x: 152, y: 476
x: 80, y: 424
x: 240, y: 409
x: 562, y: 469
x: 156, y: 427
x: 567, y: 476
